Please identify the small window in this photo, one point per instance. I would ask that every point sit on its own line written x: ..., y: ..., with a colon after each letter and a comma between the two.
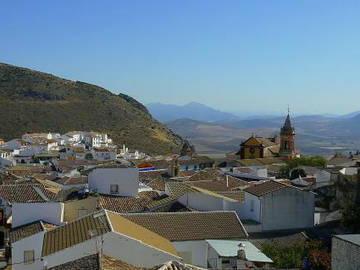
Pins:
x: 29, y: 256
x: 114, y: 189
x: 252, y: 205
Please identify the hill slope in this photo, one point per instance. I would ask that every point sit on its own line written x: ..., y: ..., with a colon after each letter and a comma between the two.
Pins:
x: 32, y: 101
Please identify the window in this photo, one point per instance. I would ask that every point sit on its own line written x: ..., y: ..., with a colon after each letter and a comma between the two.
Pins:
x: 29, y: 256
x: 114, y: 189
x: 252, y: 205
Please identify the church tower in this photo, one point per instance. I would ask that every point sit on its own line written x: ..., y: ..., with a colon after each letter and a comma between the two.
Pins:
x: 287, y: 140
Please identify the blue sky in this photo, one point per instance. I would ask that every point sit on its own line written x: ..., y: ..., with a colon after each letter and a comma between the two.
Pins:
x: 254, y: 56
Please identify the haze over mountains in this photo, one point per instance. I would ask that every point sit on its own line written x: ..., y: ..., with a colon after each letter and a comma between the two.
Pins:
x: 220, y: 132
x: 193, y: 110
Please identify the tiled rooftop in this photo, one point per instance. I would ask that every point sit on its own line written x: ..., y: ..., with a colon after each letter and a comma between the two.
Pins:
x: 26, y: 193
x: 184, y: 226
x: 75, y: 232
x: 265, y: 188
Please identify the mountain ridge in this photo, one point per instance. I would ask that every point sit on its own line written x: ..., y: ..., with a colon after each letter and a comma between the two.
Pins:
x: 34, y: 101
x: 193, y: 110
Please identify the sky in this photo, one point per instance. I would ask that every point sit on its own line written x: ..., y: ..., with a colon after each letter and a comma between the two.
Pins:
x: 234, y: 55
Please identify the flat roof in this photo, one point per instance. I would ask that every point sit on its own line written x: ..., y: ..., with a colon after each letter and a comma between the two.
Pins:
x: 229, y: 248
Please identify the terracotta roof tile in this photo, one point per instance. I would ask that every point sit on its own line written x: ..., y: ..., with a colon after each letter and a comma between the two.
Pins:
x: 24, y: 231
x: 75, y: 232
x: 184, y: 226
x: 26, y: 193
x: 157, y: 184
x: 265, y: 188
x: 127, y: 204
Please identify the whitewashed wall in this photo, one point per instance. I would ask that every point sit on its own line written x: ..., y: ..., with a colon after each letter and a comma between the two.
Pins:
x: 246, y: 211
x: 33, y: 242
x: 202, y: 202
x: 197, y: 249
x: 23, y: 213
x: 287, y: 208
x: 344, y: 255
x: 100, y: 180
x: 116, y: 246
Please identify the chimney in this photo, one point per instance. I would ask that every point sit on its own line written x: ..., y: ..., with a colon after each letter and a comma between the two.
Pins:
x: 241, y: 252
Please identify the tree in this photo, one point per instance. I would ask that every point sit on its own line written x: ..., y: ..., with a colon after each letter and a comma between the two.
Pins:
x: 351, y: 217
x: 313, y: 161
x: 312, y: 251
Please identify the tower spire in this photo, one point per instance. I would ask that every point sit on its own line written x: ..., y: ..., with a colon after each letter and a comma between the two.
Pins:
x: 287, y: 138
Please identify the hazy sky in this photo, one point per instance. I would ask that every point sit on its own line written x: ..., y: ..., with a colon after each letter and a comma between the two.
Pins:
x: 243, y: 55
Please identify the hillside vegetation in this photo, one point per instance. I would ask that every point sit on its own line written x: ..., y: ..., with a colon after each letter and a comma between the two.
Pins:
x: 32, y: 101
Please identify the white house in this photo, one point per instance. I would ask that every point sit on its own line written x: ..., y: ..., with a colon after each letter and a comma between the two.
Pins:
x: 204, y: 200
x: 96, y: 139
x: 26, y: 246
x: 235, y: 254
x: 103, y: 154
x: 277, y: 206
x: 24, y: 213
x: 114, y: 180
x: 345, y: 252
x: 6, y: 158
x: 26, y: 203
x: 105, y: 231
x: 189, y: 232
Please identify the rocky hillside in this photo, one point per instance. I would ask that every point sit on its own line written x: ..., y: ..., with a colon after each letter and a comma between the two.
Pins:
x: 32, y: 101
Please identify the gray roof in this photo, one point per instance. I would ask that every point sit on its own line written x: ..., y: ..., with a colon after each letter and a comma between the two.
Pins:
x: 352, y: 238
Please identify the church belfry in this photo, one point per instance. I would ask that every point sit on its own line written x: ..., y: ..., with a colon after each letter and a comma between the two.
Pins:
x: 287, y: 140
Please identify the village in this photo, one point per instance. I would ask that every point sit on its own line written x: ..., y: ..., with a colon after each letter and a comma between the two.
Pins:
x: 79, y: 199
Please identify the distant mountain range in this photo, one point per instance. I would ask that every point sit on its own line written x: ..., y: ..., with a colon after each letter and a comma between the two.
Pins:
x: 193, y: 110
x: 316, y: 134
x: 200, y: 112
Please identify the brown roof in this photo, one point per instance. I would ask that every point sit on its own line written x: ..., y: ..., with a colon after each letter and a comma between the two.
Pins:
x: 186, y: 173
x: 218, y: 185
x: 149, y: 176
x: 75, y: 232
x: 127, y: 204
x: 157, y: 184
x: 10, y: 179
x: 235, y: 195
x: 179, y: 188
x: 265, y: 188
x: 133, y: 230
x: 26, y: 193
x: 24, y: 231
x: 72, y: 180
x: 184, y: 226
x: 206, y: 174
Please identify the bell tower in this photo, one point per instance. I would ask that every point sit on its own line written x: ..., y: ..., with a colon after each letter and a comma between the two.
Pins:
x: 287, y: 139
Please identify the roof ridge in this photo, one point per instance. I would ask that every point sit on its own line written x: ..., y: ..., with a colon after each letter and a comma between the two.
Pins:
x: 180, y: 213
